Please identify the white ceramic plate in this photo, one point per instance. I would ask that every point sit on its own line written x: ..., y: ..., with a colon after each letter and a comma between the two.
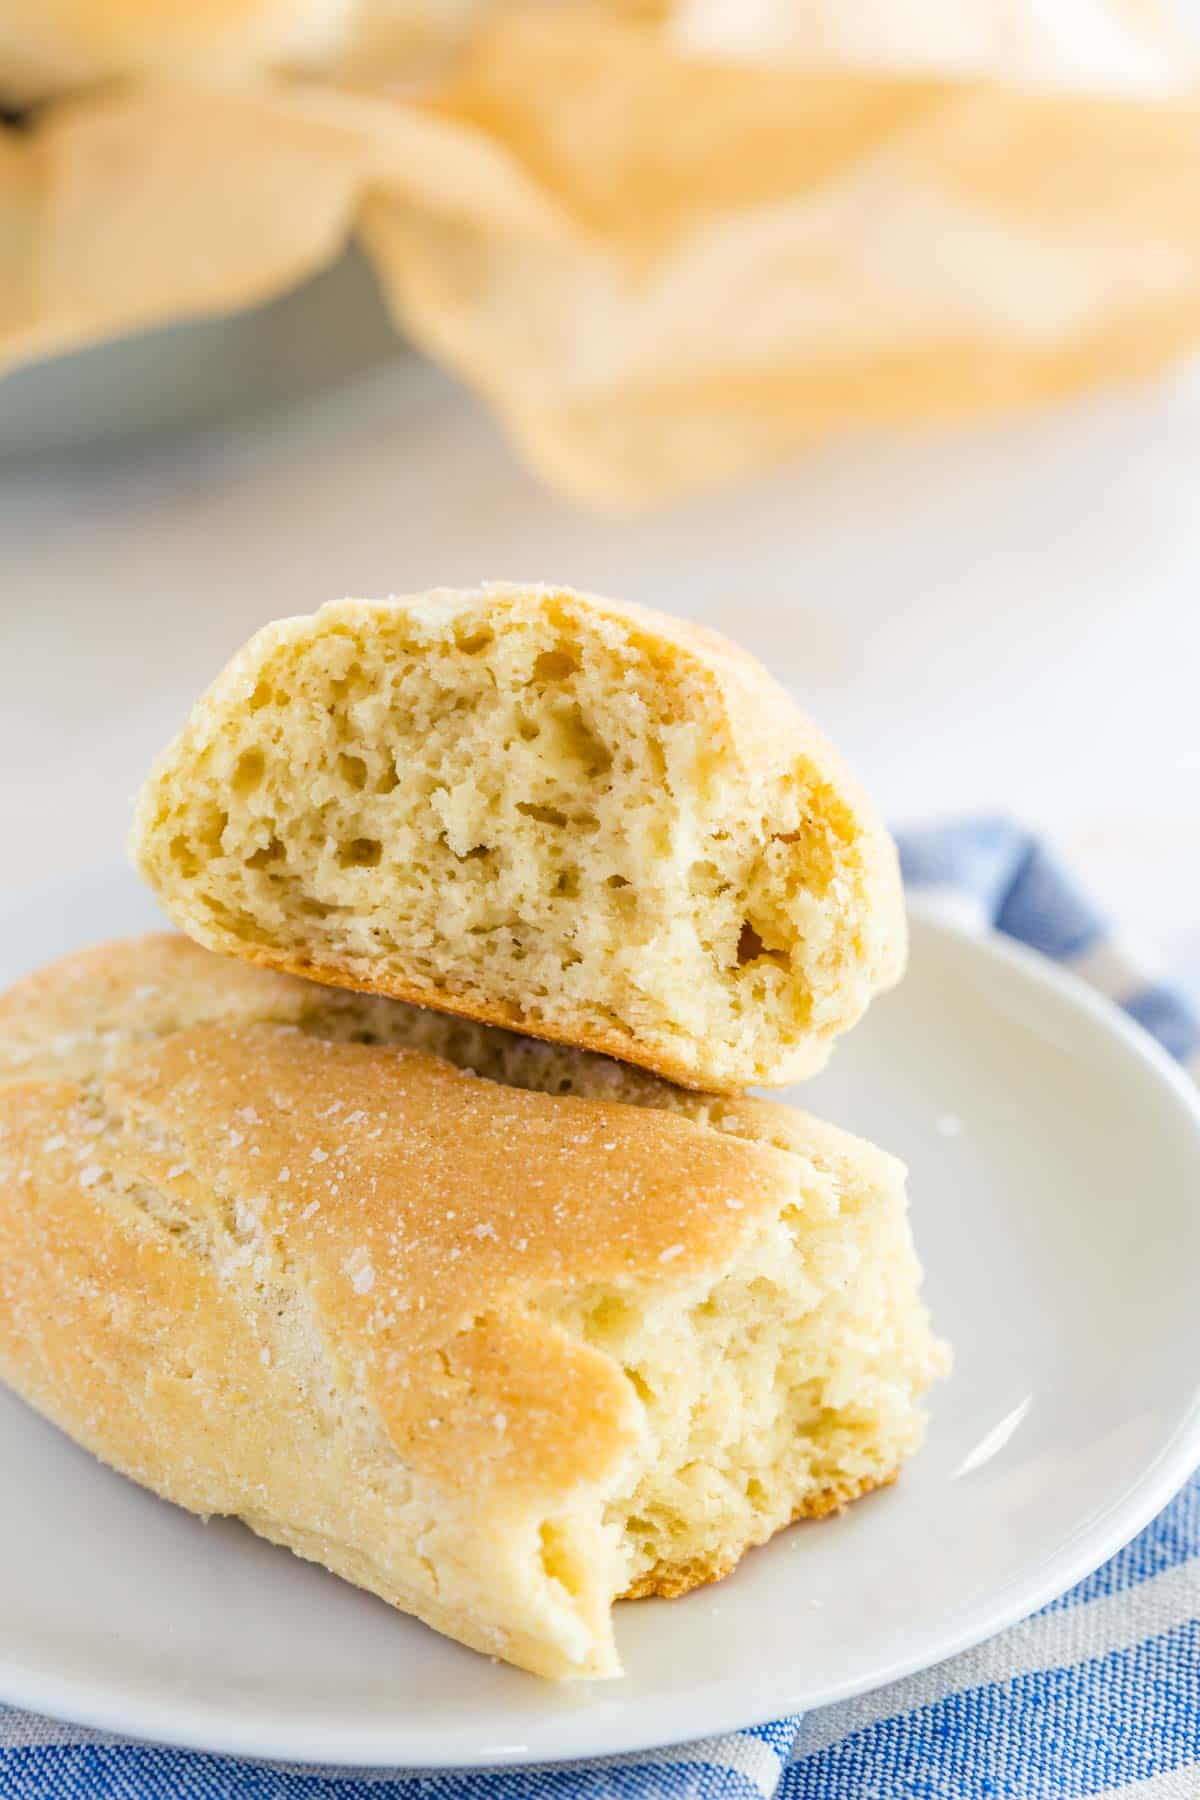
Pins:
x: 1055, y: 1159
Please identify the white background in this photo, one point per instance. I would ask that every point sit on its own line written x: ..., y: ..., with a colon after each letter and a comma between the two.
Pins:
x: 1003, y: 619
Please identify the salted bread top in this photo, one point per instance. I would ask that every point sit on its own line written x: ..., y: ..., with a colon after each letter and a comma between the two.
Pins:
x: 471, y: 1346
x: 577, y: 819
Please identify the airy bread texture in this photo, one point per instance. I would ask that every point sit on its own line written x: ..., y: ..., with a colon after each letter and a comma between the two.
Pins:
x: 575, y: 819
x: 499, y: 1353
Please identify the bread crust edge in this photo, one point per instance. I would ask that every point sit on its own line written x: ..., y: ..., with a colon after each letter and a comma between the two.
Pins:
x: 808, y: 1059
x: 668, y: 1581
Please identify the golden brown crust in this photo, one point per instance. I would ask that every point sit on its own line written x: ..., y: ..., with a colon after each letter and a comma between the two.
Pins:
x: 668, y: 1581
x: 65, y: 1017
x: 133, y: 1325
x: 368, y: 1248
x: 75, y: 1014
x: 231, y: 1212
x: 104, y: 1320
x: 580, y: 1035
x: 405, y: 1176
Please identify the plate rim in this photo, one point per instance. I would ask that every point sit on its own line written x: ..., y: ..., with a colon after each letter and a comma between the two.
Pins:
x: 201, y: 1726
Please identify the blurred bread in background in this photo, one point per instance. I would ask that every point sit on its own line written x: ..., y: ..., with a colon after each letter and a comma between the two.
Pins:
x: 1122, y: 44
x: 48, y: 47
x: 669, y: 243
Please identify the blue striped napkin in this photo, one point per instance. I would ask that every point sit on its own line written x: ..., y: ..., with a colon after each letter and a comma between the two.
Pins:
x: 1096, y: 1695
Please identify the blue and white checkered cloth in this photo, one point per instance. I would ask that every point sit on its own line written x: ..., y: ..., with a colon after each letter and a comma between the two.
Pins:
x: 1097, y: 1695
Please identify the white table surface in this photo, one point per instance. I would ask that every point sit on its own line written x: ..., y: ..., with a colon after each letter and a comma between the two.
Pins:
x: 1001, y: 619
